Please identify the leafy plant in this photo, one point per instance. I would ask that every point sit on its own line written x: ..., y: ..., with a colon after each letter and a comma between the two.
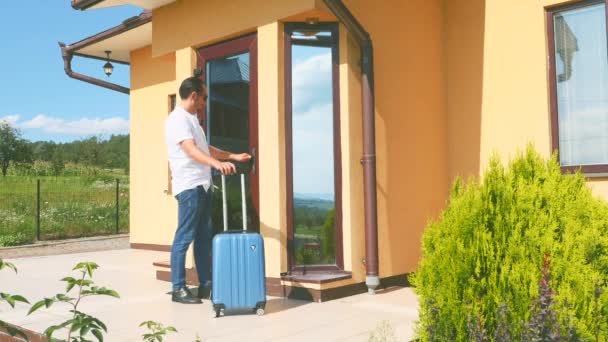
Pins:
x: 544, y: 324
x: 16, y: 239
x: 487, y: 250
x: 81, y: 323
x: 11, y: 300
x: 156, y: 331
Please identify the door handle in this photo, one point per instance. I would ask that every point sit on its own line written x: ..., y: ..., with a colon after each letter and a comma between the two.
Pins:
x: 252, y: 161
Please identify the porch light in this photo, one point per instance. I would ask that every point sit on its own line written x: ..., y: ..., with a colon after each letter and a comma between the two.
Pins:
x: 312, y: 20
x: 108, y: 68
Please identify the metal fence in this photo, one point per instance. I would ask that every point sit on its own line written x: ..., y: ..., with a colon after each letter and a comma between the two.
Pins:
x: 61, y: 208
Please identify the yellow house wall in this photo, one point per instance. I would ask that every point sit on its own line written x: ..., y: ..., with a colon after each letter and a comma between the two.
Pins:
x: 188, y: 23
x: 498, y: 88
x: 452, y: 86
x: 153, y: 212
x: 464, y: 47
x: 410, y: 121
x: 411, y: 128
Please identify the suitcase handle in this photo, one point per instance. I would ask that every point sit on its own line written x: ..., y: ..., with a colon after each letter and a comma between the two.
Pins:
x: 243, y: 202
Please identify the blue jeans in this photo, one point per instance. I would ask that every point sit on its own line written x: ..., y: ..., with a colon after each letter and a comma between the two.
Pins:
x: 193, y: 224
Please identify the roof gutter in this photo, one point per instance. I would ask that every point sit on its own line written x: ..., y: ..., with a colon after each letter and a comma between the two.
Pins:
x: 69, y: 51
x: 368, y: 160
x: 84, y: 4
x: 67, y: 55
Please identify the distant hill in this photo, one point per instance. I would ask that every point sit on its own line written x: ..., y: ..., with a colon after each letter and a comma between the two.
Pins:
x: 316, y: 196
x: 313, y: 203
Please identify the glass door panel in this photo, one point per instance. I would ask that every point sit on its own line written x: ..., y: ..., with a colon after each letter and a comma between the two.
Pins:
x: 228, y: 124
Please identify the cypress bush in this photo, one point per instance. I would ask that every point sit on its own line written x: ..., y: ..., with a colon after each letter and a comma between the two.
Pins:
x: 485, y: 253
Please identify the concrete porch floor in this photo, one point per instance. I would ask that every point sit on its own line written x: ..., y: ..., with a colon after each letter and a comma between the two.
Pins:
x: 131, y: 274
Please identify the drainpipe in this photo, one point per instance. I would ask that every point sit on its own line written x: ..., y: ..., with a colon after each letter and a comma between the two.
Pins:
x: 67, y: 55
x: 368, y: 160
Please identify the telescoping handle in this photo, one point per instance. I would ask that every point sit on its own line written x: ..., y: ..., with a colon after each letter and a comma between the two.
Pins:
x: 243, y: 202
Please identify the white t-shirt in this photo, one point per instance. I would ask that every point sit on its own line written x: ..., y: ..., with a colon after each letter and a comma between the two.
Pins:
x: 186, y: 173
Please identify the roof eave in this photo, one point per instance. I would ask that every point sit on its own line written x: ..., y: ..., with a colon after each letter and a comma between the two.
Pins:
x: 127, y: 25
x: 68, y: 51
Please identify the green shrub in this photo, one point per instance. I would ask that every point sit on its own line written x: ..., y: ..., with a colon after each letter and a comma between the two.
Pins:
x: 487, y: 250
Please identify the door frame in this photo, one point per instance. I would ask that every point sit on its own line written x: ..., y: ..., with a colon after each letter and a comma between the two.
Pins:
x: 289, y: 28
x: 248, y: 43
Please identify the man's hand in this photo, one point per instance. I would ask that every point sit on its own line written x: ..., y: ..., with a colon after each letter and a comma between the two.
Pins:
x: 226, y: 168
x: 242, y: 157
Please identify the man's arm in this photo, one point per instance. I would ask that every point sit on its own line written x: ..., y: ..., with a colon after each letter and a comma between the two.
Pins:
x: 221, y: 154
x: 218, y: 154
x: 199, y: 156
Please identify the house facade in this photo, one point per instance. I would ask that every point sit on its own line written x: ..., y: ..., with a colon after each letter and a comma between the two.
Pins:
x: 360, y: 115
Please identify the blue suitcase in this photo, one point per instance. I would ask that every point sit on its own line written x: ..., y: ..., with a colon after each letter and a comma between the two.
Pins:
x: 238, y: 273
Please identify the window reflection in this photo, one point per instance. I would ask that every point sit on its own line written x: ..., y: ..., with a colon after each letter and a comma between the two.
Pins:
x: 313, y: 156
x: 228, y: 87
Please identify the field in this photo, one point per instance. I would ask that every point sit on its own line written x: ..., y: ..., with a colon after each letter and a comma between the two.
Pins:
x: 69, y: 207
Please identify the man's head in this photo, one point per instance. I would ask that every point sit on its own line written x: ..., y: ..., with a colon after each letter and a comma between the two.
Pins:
x: 193, y: 94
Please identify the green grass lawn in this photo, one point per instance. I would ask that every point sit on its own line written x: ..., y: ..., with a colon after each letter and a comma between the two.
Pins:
x: 69, y: 207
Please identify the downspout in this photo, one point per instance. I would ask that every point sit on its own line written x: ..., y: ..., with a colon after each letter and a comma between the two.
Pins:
x: 368, y: 159
x: 67, y: 55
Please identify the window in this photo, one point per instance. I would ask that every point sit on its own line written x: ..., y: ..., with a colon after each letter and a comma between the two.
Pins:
x: 579, y: 85
x: 313, y: 153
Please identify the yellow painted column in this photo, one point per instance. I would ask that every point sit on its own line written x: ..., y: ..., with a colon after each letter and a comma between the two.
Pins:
x: 271, y: 135
x: 351, y: 135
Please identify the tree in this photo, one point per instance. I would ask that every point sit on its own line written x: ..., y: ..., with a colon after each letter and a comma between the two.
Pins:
x: 58, y: 162
x: 92, y: 153
x: 12, y: 147
x: 329, y: 235
x: 43, y: 150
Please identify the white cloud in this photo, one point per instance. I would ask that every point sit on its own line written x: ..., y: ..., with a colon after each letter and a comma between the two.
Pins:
x: 313, y: 150
x: 10, y: 119
x: 312, y: 70
x: 83, y: 127
x: 312, y: 82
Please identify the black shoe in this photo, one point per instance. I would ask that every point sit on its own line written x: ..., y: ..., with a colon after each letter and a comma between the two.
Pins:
x: 204, y: 291
x: 184, y: 296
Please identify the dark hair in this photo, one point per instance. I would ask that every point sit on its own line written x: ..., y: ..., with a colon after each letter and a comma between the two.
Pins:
x: 189, y: 85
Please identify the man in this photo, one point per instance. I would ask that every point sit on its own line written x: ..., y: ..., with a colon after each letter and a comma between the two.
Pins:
x: 191, y: 160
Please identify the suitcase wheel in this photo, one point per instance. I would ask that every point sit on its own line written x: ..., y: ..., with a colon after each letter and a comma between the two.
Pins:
x: 259, y: 311
x: 215, y: 313
x: 217, y: 310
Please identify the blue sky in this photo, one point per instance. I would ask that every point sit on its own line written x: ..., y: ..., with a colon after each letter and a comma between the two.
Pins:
x: 36, y: 95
